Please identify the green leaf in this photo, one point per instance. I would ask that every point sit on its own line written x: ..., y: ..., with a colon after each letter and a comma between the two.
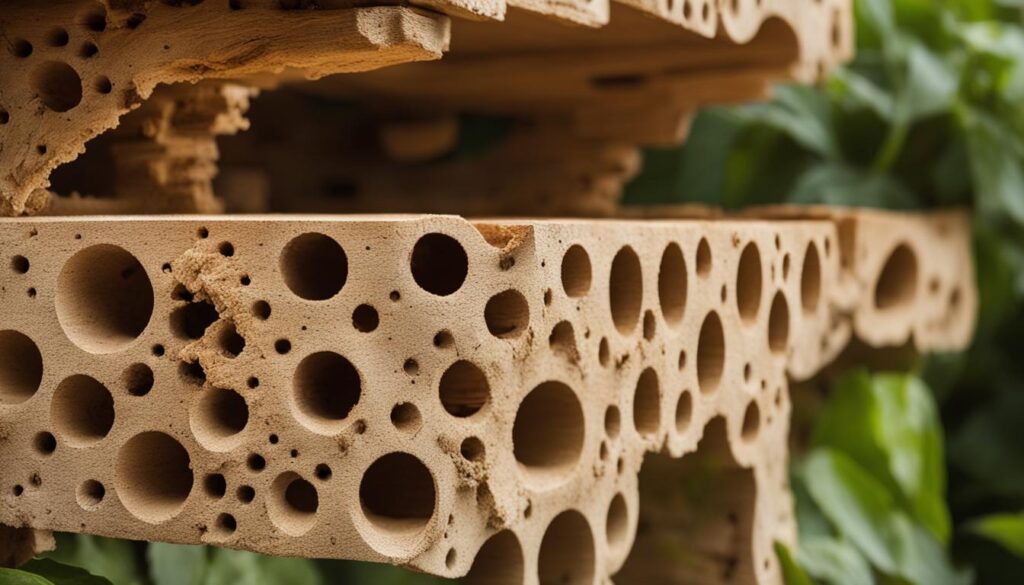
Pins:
x: 888, y: 424
x: 177, y: 564
x: 834, y: 561
x: 49, y: 572
x: 995, y: 168
x: 111, y: 558
x: 234, y: 567
x: 1006, y: 529
x: 836, y: 184
x: 803, y: 113
x: 930, y: 84
x: 792, y: 573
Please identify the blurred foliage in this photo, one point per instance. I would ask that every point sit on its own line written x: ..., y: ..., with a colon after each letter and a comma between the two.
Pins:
x: 902, y: 484
x: 929, y: 114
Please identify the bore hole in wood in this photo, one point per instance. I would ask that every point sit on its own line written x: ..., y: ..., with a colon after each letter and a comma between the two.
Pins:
x: 748, y: 283
x: 567, y: 555
x: 231, y: 343
x: 57, y: 85
x: 21, y: 48
x: 672, y: 283
x: 220, y: 415
x: 293, y: 503
x: 137, y: 379
x: 365, y: 318
x: 21, y: 367
x: 897, y: 282
x: 710, y: 353
x: 625, y: 290
x: 472, y: 449
x: 261, y: 310
x: 498, y: 562
x: 192, y: 320
x: 104, y: 299
x: 153, y: 476
x: 464, y: 389
x: 398, y: 495
x: 82, y: 410
x: 576, y: 274
x: 406, y: 417
x: 563, y: 341
x: 215, y: 486
x: 90, y: 494
x: 314, y: 266
x: 326, y: 388
x: 547, y: 436
x: 647, y: 404
x: 439, y: 264
x: 507, y: 314
x: 778, y: 324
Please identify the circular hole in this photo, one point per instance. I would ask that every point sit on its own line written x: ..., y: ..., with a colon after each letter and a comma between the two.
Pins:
x: 751, y: 422
x: 21, y: 48
x: 398, y: 495
x: 548, y: 297
x: 411, y: 367
x: 57, y: 85
x: 95, y: 20
x: 472, y: 449
x: 684, y: 411
x: 314, y: 266
x: 57, y: 37
x: 261, y: 310
x: 604, y: 353
x: 626, y: 290
x: 44, y: 443
x: 326, y: 388
x: 21, y: 367
x: 90, y: 494
x: 258, y: 463
x: 224, y: 526
x: 245, y: 494
x: 137, y: 379
x: 153, y: 476
x: 215, y: 486
x: 507, y: 314
x: 682, y: 360
x: 464, y: 389
x: 672, y: 283
x: 218, y: 417
x: 439, y: 264
x: 443, y: 339
x: 5, y: 116
x: 323, y: 472
x: 703, y: 257
x: 710, y: 353
x: 650, y: 326
x: 230, y: 342
x: 226, y: 249
x: 576, y: 271
x: 293, y: 504
x: 567, y: 554
x: 203, y: 233
x: 104, y: 299
x: 20, y: 264
x: 253, y: 382
x: 897, y: 283
x: 365, y: 318
x: 547, y: 436
x: 282, y: 346
x: 192, y: 320
x: 617, y: 523
x: 450, y: 558
x: 612, y: 422
x: 778, y: 324
x: 406, y: 417
x: 810, y: 279
x: 748, y: 283
x: 102, y: 85
x: 647, y: 404
x: 498, y: 562
x: 158, y: 350
x: 82, y: 410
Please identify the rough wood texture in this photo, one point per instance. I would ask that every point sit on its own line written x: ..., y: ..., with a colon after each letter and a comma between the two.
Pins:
x: 72, y: 68
x: 455, y: 396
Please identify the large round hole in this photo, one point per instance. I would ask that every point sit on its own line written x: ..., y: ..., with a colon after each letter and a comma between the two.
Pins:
x: 326, y: 386
x: 576, y: 271
x: 499, y: 562
x: 464, y: 389
x: 748, y: 283
x: 104, y: 299
x: 617, y: 523
x: 314, y: 266
x: 897, y: 283
x: 21, y: 367
x: 137, y: 379
x: 398, y: 495
x: 547, y: 436
x: 672, y: 283
x: 810, y: 279
x: 90, y: 494
x: 293, y: 504
x: 218, y: 417
x: 507, y: 314
x: 778, y: 324
x: 439, y: 264
x: 567, y: 554
x: 57, y: 85
x: 82, y: 410
x: 625, y: 290
x: 647, y: 404
x: 710, y: 353
x: 153, y: 476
